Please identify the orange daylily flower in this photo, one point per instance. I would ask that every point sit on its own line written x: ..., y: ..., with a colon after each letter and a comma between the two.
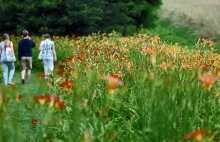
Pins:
x: 18, y: 98
x: 59, y: 104
x: 40, y: 99
x: 61, y: 71
x: 185, y: 66
x: 34, y: 122
x: 64, y: 63
x: 114, y: 79
x: 155, y: 38
x: 124, y: 57
x: 211, y: 43
x: 126, y: 39
x: 82, y: 59
x: 208, y: 80
x: 117, y: 57
x: 111, y: 88
x: 125, y: 50
x: 206, y: 41
x: 96, y: 63
x: 148, y: 51
x: 106, y: 59
x: 129, y: 64
x: 114, y: 46
x: 70, y: 59
x: 106, y: 50
x: 164, y: 66
x: 42, y: 75
x: 70, y: 70
x: 218, y: 72
x: 51, y: 100
x: 66, y: 85
x: 197, y: 135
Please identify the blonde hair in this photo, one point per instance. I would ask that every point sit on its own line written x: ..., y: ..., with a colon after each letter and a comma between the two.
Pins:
x: 6, y: 39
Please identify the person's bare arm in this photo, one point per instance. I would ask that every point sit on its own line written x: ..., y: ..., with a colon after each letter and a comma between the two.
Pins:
x: 54, y: 53
x: 40, y: 48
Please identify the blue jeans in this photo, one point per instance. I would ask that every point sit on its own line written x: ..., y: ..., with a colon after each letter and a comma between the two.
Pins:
x: 8, y: 67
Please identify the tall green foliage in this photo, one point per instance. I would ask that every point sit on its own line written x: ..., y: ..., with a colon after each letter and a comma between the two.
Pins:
x: 77, y: 16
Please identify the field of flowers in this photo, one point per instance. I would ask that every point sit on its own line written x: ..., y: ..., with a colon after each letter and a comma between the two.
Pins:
x: 111, y: 88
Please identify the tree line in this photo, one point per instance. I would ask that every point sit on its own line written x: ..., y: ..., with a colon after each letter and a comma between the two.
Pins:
x: 78, y: 17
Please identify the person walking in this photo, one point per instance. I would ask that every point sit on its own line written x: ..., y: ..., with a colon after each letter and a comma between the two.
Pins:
x: 48, y: 54
x: 25, y: 56
x: 8, y: 67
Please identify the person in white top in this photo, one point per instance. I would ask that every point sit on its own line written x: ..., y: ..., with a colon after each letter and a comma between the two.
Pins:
x: 48, y: 54
x: 8, y: 67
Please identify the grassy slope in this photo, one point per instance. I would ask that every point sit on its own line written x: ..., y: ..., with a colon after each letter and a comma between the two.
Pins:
x: 171, y: 34
x: 198, y: 17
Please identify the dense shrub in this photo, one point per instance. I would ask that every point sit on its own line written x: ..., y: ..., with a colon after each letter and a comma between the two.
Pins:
x: 77, y: 16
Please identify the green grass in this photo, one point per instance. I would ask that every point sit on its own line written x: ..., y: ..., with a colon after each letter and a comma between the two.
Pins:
x: 20, y: 114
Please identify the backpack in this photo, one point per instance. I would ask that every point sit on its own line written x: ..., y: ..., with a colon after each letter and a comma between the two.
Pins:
x: 10, y: 56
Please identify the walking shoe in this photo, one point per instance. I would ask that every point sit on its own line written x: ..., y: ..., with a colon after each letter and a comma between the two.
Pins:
x: 22, y: 81
x: 10, y: 83
x: 27, y: 82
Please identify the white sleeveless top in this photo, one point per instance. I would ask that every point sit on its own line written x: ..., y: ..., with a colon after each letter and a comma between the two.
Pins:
x: 47, y: 48
x: 3, y: 54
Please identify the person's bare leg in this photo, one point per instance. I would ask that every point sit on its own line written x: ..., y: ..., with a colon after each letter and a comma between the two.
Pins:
x: 28, y: 75
x: 22, y: 76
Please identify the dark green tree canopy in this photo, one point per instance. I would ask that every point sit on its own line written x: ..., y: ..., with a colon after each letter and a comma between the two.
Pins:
x: 76, y: 16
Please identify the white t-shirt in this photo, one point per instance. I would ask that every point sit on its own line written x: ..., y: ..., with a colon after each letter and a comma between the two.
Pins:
x: 47, y: 48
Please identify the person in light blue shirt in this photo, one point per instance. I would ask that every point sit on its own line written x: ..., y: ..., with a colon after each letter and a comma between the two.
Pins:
x: 48, y: 54
x: 8, y: 67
